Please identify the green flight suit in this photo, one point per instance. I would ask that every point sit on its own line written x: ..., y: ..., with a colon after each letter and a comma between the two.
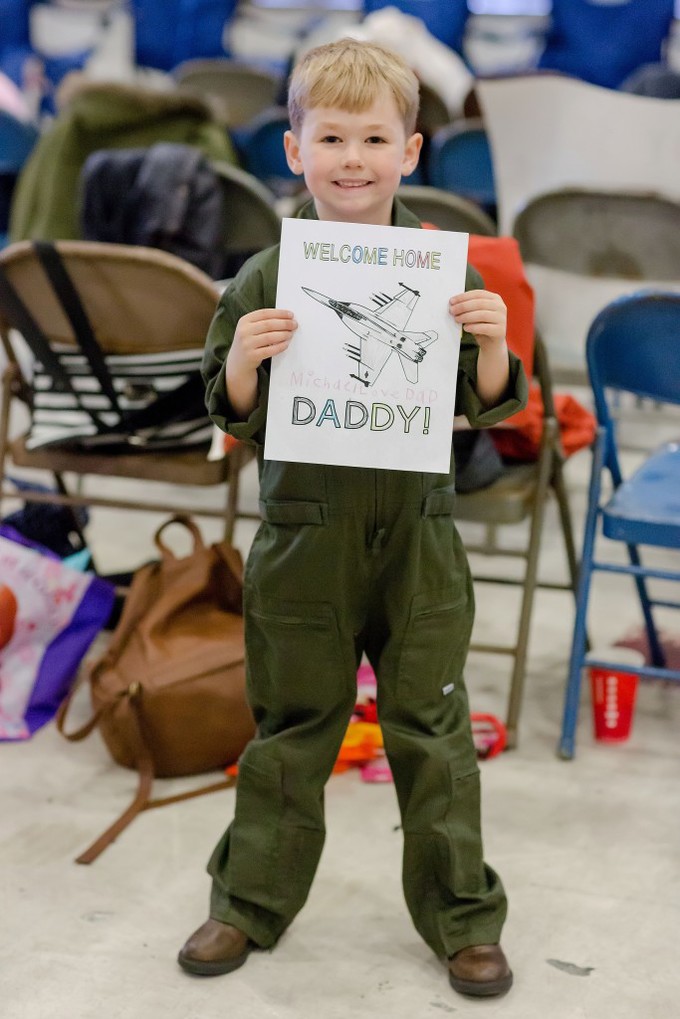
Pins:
x: 350, y: 560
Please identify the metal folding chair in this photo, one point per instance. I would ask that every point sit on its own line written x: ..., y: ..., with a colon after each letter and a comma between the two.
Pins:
x: 17, y: 140
x: 460, y: 161
x: 251, y: 221
x: 235, y: 90
x: 139, y: 303
x: 446, y: 210
x: 260, y: 147
x: 633, y: 346
x: 521, y: 494
x: 583, y: 248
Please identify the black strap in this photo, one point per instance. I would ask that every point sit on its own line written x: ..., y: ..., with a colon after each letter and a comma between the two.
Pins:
x: 179, y: 405
x: 20, y: 318
x: 62, y: 284
x: 182, y: 404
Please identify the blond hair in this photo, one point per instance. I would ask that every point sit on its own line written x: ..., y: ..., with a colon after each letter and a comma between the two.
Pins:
x: 350, y: 75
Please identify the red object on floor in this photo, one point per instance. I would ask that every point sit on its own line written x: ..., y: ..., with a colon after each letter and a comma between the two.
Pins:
x: 8, y: 612
x: 489, y: 734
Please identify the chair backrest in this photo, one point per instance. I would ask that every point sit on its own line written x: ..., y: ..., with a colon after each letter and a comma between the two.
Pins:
x: 460, y: 161
x: 236, y: 91
x: 634, y: 345
x: 260, y: 146
x: 445, y: 209
x: 433, y: 112
x: 17, y: 139
x: 444, y: 19
x: 654, y: 80
x: 548, y: 131
x: 178, y: 30
x: 116, y: 335
x: 596, y: 233
x: 583, y: 249
x: 603, y: 42
x: 251, y: 221
x: 138, y: 300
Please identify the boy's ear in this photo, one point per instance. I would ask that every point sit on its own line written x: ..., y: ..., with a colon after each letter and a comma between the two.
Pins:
x: 411, y: 153
x: 291, y: 147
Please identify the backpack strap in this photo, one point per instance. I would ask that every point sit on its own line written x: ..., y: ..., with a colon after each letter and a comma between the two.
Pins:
x: 176, y: 406
x: 21, y: 319
x: 145, y: 769
x: 63, y: 286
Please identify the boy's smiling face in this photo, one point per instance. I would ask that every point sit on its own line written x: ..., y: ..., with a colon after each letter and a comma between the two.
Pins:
x: 353, y: 162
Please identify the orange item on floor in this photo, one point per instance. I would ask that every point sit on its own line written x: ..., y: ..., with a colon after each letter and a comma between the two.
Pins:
x: 363, y: 741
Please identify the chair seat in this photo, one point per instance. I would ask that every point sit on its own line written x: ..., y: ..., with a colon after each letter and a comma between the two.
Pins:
x: 645, y: 509
x: 192, y: 466
x: 507, y: 501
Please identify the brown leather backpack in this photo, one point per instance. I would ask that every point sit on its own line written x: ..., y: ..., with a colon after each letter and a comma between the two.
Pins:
x: 169, y: 692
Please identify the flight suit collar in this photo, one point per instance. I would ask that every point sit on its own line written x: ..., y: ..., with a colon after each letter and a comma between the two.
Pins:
x: 401, y: 216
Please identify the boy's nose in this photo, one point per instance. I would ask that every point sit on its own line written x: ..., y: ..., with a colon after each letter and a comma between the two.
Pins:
x: 352, y: 156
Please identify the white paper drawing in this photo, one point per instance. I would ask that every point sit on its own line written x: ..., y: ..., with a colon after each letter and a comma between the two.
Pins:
x: 381, y: 332
x: 369, y: 379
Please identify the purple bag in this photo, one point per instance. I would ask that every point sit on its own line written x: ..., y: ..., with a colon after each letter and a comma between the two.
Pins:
x: 59, y: 613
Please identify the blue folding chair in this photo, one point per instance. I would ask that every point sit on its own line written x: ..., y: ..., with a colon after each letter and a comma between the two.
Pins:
x: 260, y: 148
x: 444, y: 19
x: 16, y: 144
x: 459, y: 160
x: 633, y: 346
x: 17, y: 139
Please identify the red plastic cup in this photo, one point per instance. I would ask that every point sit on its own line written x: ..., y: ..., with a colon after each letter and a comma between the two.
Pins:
x: 613, y: 693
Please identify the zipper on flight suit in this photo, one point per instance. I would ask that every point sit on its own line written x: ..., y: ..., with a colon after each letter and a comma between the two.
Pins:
x: 378, y: 532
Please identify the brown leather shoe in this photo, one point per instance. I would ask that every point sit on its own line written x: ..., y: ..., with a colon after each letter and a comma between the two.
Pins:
x: 215, y: 948
x: 480, y: 970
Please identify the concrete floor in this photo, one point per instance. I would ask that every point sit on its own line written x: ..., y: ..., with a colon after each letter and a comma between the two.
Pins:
x: 589, y: 851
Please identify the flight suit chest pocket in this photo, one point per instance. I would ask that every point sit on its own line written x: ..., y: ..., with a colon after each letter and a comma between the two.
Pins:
x: 435, y: 644
x: 293, y: 511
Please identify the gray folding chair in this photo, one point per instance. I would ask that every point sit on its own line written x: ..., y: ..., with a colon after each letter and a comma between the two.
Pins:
x: 630, y: 235
x: 143, y: 307
x: 251, y: 221
x: 235, y: 90
x: 619, y: 239
x: 446, y: 210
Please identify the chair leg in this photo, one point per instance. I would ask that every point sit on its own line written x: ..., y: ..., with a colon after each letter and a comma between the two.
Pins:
x: 62, y: 487
x: 578, y: 645
x: 529, y: 589
x: 656, y: 650
x: 566, y: 522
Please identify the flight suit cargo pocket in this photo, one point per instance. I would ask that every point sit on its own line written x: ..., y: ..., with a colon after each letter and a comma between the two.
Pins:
x: 435, y: 645
x: 254, y: 850
x: 294, y: 655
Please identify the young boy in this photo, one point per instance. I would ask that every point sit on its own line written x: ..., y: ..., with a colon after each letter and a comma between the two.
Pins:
x: 350, y: 560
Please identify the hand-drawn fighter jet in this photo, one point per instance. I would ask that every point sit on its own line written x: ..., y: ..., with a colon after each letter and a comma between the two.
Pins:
x: 381, y: 332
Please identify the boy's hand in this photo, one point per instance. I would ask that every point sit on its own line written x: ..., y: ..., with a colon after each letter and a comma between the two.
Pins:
x: 481, y: 313
x: 260, y: 334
